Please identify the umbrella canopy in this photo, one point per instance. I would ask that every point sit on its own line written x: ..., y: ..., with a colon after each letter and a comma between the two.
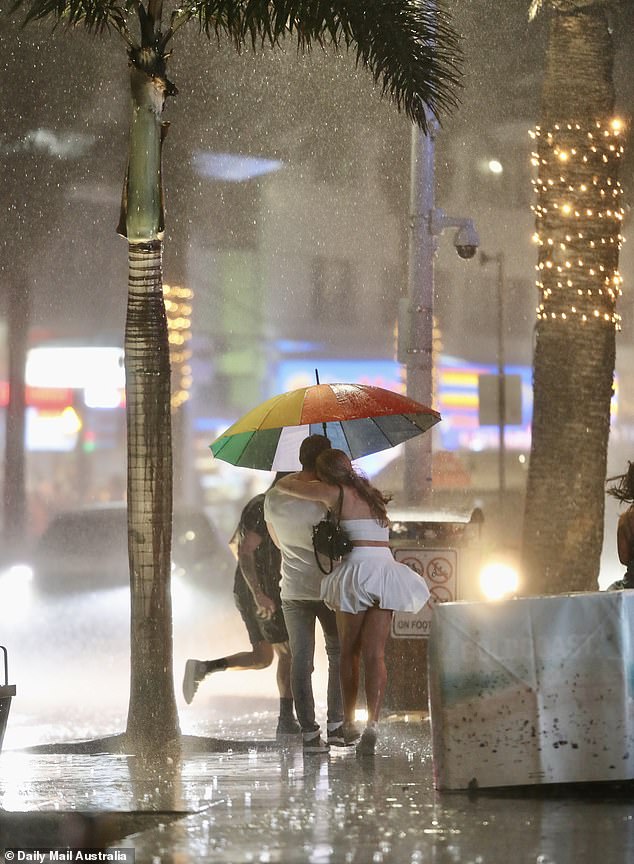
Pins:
x: 357, y: 418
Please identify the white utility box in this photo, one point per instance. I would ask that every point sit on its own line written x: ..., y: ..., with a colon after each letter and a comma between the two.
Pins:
x: 534, y: 690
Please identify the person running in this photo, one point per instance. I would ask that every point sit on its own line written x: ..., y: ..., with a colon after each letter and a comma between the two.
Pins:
x: 366, y: 587
x: 624, y: 492
x: 290, y: 523
x: 256, y: 594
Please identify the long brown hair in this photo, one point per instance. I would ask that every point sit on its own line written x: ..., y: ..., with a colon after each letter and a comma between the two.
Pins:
x: 334, y: 466
x: 624, y: 491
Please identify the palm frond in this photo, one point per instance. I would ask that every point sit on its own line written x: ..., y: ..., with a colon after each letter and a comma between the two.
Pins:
x: 409, y: 46
x: 95, y: 15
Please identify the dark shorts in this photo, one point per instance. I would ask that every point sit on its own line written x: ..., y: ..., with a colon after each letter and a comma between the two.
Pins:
x: 259, y: 629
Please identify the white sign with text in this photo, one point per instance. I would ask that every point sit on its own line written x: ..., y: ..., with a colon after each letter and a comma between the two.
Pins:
x: 439, y: 569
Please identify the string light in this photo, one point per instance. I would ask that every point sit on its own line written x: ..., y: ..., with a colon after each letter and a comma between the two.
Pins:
x: 178, y: 309
x: 576, y: 178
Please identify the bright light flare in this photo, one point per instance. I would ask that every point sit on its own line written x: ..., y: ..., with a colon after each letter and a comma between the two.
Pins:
x: 78, y: 366
x: 16, y: 589
x: 178, y: 583
x: 70, y: 421
x: 499, y: 580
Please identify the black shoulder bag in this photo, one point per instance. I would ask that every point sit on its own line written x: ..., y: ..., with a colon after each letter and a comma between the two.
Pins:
x: 330, y: 539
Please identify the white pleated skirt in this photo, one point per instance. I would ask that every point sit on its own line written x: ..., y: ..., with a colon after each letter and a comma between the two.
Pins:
x: 369, y: 576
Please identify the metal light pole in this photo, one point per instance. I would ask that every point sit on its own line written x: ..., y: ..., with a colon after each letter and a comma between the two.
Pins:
x: 416, y: 312
x: 407, y: 657
x: 499, y: 260
x: 417, y: 323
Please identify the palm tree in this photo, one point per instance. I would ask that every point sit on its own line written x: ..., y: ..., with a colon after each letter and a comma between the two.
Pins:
x: 410, y: 49
x: 578, y: 222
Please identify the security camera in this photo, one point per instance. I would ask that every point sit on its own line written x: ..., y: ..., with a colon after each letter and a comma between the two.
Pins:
x: 466, y: 240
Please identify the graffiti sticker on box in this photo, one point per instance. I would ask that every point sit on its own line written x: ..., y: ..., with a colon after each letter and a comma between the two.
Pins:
x: 439, y: 569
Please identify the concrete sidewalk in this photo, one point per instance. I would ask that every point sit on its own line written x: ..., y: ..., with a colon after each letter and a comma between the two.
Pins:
x: 233, y: 802
x: 266, y: 803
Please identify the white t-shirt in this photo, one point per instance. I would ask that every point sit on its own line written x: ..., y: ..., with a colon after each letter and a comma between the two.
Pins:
x: 292, y: 520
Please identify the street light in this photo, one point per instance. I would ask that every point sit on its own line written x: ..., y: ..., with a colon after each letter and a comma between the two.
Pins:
x: 416, y: 311
x: 499, y: 261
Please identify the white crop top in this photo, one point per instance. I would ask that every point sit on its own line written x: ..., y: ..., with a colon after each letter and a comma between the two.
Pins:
x: 365, y: 529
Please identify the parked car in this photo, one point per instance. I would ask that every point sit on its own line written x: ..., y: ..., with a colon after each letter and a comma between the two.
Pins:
x: 67, y: 612
x: 88, y: 549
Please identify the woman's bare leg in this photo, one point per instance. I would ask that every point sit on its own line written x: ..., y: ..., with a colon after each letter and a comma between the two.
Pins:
x: 349, y: 627
x: 376, y: 629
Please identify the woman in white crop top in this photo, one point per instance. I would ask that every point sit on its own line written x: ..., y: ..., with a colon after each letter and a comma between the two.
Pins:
x: 365, y: 588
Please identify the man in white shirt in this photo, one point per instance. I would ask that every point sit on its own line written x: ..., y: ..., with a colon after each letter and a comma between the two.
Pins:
x: 290, y: 522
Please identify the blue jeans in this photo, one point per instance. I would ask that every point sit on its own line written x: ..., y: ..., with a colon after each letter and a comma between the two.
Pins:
x: 300, y: 617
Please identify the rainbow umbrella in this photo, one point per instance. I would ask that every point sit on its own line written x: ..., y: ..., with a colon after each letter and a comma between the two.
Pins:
x: 357, y: 418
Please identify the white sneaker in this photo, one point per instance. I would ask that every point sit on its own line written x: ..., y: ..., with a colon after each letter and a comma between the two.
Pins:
x: 194, y: 674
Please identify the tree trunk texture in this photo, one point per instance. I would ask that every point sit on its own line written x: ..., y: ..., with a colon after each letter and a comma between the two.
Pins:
x: 578, y: 231
x: 563, y: 531
x: 152, y: 715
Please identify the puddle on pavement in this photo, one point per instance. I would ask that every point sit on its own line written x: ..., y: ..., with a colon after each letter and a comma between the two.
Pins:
x: 76, y: 830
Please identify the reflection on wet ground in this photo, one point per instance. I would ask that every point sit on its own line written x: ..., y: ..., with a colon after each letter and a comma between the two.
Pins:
x: 273, y: 804
x: 260, y: 803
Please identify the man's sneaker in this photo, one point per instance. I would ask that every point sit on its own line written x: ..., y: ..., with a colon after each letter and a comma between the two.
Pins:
x: 367, y: 744
x: 287, y: 727
x: 344, y: 736
x: 194, y: 674
x: 313, y: 743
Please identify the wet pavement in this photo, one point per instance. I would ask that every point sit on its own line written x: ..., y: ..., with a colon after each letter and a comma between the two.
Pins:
x: 262, y: 802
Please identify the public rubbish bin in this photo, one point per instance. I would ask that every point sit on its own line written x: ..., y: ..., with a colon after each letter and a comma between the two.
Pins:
x: 447, y: 555
x: 6, y: 693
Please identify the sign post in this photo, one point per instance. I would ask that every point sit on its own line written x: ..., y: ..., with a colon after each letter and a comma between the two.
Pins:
x: 439, y: 569
x: 445, y: 555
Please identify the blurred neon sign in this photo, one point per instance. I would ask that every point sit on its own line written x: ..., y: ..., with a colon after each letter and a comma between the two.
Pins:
x: 456, y: 396
x: 52, y: 431
x: 293, y: 374
x: 75, y: 367
x: 46, y: 398
x: 458, y: 404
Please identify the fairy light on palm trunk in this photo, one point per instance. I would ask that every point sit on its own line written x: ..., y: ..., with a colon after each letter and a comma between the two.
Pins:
x: 576, y: 179
x: 178, y: 309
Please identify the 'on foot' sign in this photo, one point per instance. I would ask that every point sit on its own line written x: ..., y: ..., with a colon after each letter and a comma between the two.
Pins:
x: 439, y: 569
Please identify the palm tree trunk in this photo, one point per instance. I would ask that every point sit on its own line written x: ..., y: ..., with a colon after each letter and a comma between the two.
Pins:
x: 152, y: 714
x: 578, y: 219
x: 563, y: 529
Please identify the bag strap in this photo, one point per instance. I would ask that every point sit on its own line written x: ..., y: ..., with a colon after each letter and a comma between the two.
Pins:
x: 335, y: 516
x: 322, y: 568
x: 337, y: 513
